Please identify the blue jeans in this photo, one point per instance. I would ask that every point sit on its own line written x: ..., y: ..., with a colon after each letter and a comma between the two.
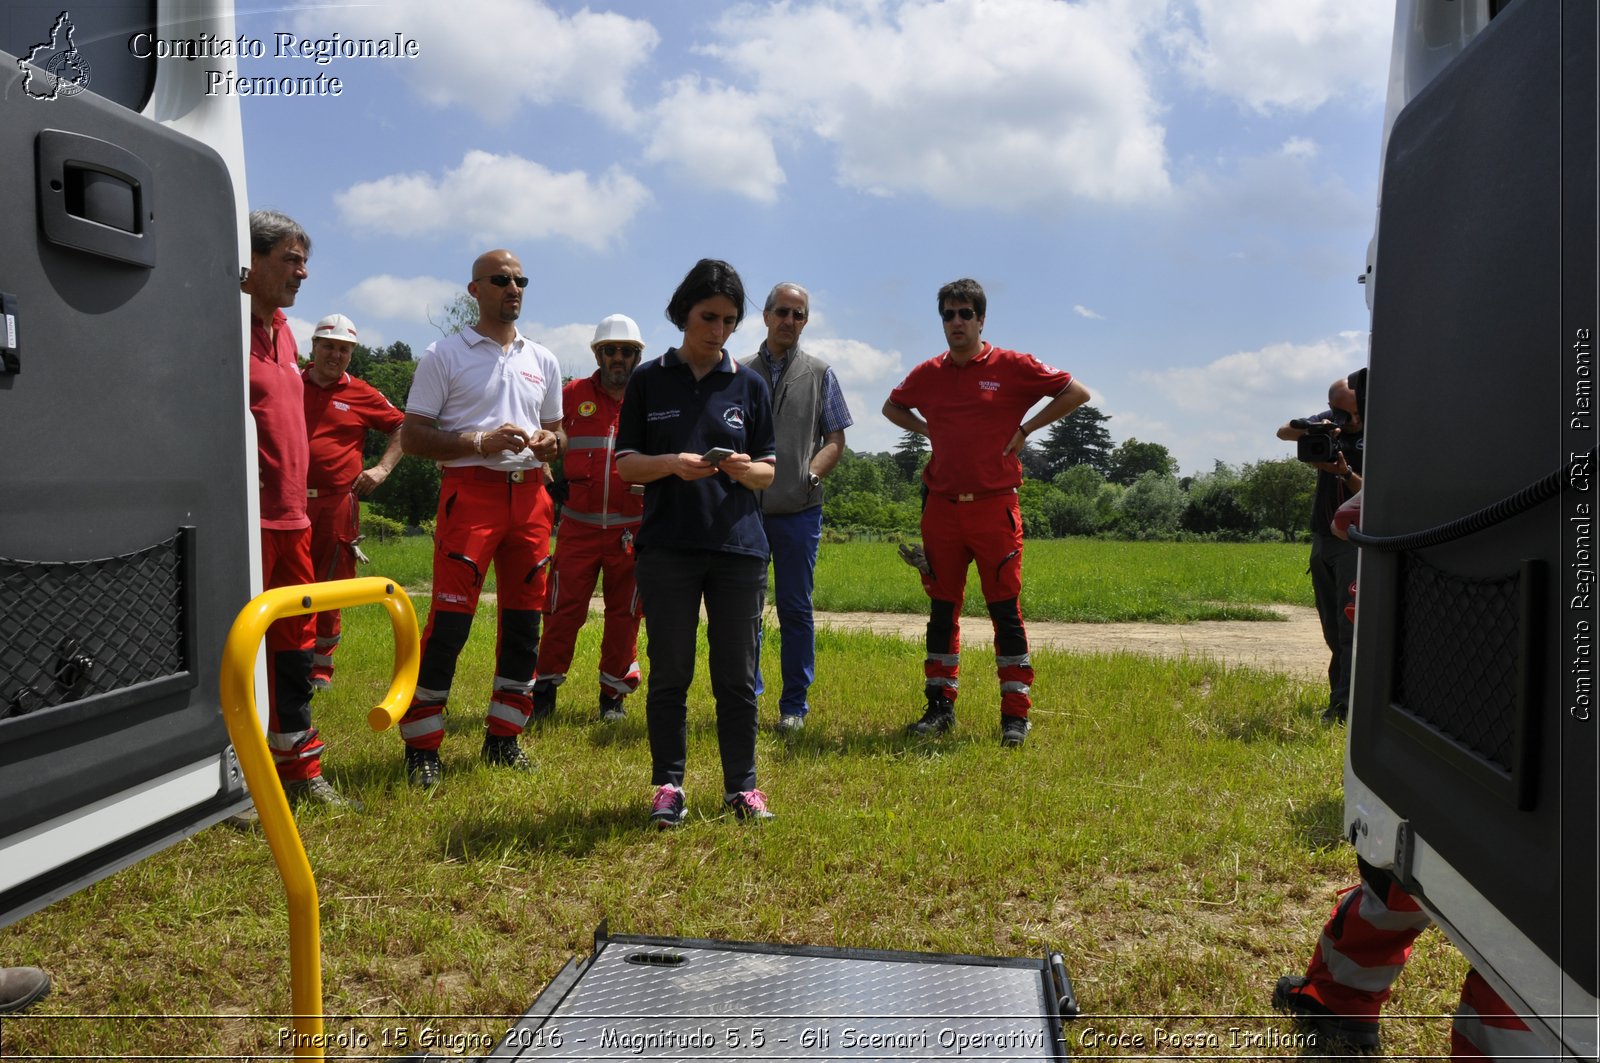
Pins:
x: 672, y: 584
x: 793, y: 538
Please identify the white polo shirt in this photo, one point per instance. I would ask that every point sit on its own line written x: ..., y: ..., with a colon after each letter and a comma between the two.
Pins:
x: 468, y: 384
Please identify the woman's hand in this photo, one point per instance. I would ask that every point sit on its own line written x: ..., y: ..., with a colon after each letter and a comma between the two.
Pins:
x: 736, y: 466
x: 692, y: 467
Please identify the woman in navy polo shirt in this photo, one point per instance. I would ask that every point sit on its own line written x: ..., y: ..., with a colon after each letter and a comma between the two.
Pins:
x: 702, y: 536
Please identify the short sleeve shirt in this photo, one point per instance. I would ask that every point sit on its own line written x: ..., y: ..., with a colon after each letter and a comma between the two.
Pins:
x: 468, y: 383
x: 277, y: 404
x: 337, y: 419
x: 667, y: 411
x: 972, y: 411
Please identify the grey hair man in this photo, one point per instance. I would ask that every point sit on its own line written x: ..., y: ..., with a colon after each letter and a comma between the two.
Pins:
x: 810, y: 416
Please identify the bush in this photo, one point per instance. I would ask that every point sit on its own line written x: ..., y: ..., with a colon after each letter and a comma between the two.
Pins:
x: 376, y: 526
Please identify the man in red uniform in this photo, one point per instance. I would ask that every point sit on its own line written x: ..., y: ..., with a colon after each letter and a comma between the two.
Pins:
x: 339, y: 410
x: 486, y: 404
x: 279, y: 249
x: 972, y: 401
x: 599, y: 518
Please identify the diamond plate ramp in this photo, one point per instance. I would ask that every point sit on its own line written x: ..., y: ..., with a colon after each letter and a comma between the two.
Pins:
x: 675, y: 998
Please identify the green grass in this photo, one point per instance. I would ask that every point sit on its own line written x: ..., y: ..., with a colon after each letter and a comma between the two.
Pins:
x: 1171, y: 828
x: 1089, y: 580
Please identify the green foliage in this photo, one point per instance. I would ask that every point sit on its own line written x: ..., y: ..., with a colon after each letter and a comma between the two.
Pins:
x: 910, y: 453
x: 1133, y: 459
x: 380, y: 528
x: 1280, y: 492
x: 1081, y: 481
x: 1080, y: 438
x: 1216, y: 506
x: 1152, y: 507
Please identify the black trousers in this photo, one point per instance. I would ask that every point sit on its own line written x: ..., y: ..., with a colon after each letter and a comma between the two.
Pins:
x: 1333, y: 569
x: 672, y: 584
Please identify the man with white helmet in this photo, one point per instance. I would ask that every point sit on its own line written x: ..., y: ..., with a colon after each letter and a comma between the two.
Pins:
x: 599, y: 517
x: 339, y: 410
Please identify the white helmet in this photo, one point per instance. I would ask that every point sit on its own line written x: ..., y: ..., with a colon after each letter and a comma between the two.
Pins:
x: 618, y: 328
x: 335, y: 327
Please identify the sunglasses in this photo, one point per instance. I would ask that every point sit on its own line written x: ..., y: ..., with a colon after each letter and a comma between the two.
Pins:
x: 788, y: 311
x: 501, y: 280
x: 616, y: 350
x: 966, y: 312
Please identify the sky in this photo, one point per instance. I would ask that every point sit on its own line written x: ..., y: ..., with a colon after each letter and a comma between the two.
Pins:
x: 1171, y: 199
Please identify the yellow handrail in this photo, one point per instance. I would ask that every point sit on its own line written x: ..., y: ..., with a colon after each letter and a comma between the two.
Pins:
x: 237, y: 683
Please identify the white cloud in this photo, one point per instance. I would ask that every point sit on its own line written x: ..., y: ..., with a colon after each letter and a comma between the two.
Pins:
x: 1018, y: 103
x: 301, y: 329
x: 569, y: 343
x: 418, y: 300
x: 1231, y: 407
x: 1084, y: 311
x: 1287, y: 54
x: 495, y: 198
x: 717, y: 137
x: 492, y: 58
x: 1300, y: 148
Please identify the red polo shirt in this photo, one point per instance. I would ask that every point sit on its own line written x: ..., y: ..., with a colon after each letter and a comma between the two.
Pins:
x: 972, y: 411
x: 277, y: 403
x: 337, y: 419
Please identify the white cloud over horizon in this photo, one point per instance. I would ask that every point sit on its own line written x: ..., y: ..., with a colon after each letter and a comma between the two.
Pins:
x: 470, y: 200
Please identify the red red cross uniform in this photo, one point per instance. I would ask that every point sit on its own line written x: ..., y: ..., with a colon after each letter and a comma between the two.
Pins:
x: 1363, y: 948
x: 282, y: 456
x: 493, y: 510
x: 598, y: 523
x: 971, y: 513
x: 337, y: 419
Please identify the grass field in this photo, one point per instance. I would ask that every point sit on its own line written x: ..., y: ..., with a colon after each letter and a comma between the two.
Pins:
x: 1064, y: 579
x: 1171, y: 828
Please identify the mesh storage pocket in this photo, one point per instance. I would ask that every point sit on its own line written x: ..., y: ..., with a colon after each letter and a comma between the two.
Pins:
x: 73, y: 629
x: 1459, y: 666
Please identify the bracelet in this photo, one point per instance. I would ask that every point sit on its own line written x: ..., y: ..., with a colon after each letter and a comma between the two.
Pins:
x: 477, y: 443
x: 1024, y: 430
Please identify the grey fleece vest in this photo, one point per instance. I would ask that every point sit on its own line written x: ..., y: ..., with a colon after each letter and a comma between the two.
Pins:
x: 797, y: 419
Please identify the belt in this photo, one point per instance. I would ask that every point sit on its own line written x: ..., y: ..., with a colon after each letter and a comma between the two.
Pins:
x: 494, y: 476
x: 976, y: 496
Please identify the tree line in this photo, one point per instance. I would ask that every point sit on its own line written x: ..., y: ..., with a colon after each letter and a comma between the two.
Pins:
x: 1076, y: 482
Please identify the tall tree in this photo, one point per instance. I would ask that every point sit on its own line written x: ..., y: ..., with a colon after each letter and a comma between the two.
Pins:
x: 1133, y: 459
x: 1079, y: 439
x: 908, y: 454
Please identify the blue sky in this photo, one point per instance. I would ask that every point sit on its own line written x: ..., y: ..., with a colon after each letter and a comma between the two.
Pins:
x: 1170, y: 198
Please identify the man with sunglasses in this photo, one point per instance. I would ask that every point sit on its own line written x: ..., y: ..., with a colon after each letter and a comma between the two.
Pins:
x: 810, y: 416
x: 486, y: 404
x: 600, y: 516
x: 972, y: 403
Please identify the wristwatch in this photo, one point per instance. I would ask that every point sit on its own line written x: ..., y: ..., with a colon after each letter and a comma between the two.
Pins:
x: 814, y: 479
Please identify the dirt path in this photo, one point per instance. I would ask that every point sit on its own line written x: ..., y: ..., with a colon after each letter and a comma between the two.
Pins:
x: 1295, y: 645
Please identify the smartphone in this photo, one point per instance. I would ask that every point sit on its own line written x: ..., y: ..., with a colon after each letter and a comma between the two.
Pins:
x: 716, y: 455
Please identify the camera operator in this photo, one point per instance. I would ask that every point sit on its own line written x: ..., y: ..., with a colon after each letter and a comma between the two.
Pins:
x: 1330, y: 442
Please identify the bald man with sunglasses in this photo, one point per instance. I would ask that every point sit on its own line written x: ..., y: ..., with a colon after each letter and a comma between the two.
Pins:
x: 486, y: 405
x: 972, y: 403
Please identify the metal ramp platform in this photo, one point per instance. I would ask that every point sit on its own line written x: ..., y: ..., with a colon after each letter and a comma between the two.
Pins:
x: 676, y: 998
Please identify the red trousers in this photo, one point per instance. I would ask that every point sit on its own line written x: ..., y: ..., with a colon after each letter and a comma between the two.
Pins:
x: 335, y: 527
x: 986, y: 530
x: 296, y: 748
x: 1363, y: 948
x: 583, y: 553
x: 483, y: 519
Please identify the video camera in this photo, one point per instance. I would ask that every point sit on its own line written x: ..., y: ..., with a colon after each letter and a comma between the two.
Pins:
x: 1322, y: 442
